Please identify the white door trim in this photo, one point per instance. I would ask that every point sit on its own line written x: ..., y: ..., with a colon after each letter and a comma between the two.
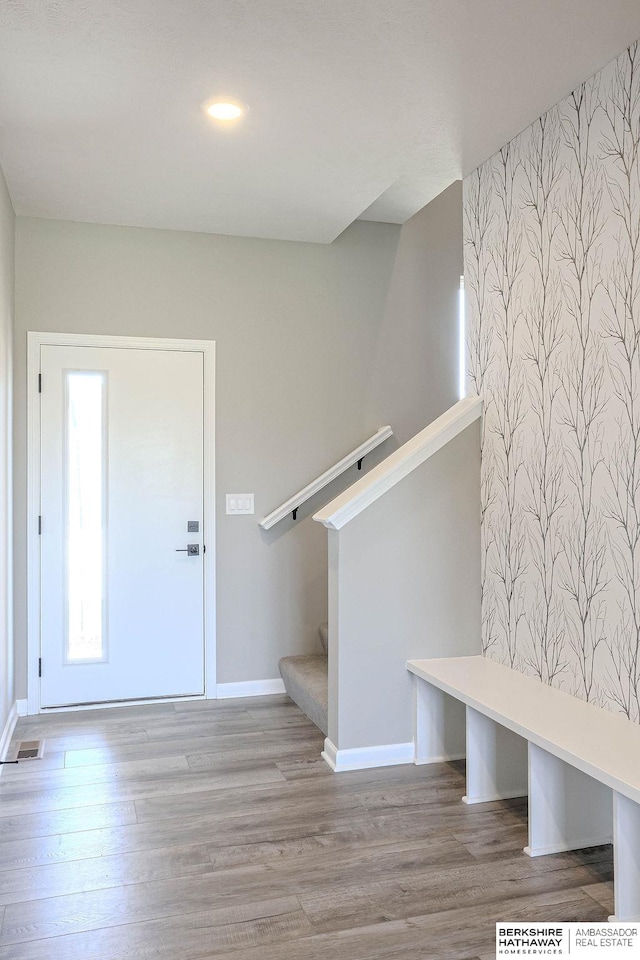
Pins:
x: 34, y: 342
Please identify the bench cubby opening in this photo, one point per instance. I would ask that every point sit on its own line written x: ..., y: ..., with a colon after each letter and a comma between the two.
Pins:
x: 579, y: 765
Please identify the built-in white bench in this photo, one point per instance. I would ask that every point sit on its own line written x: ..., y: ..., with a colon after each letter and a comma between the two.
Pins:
x: 578, y: 764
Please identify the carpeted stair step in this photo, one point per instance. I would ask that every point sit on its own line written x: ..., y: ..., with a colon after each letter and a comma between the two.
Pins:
x: 306, y: 682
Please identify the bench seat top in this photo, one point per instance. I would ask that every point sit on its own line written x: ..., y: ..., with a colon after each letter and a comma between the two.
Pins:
x: 603, y: 745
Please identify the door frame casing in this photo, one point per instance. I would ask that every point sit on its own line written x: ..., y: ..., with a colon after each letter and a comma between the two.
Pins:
x: 35, y: 340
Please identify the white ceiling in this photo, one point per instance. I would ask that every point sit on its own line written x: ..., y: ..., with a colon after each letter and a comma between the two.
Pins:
x: 358, y: 108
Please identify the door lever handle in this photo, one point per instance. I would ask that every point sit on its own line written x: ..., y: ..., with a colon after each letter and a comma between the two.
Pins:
x: 191, y: 550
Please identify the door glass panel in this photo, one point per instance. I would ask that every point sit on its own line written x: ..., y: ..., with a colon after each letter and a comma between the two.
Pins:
x: 85, y: 496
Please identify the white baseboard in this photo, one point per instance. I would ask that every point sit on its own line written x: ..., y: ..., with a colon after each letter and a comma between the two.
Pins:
x: 566, y: 847
x: 22, y: 707
x: 363, y: 758
x: 443, y: 759
x: 508, y: 795
x: 249, y: 688
x: 7, y: 732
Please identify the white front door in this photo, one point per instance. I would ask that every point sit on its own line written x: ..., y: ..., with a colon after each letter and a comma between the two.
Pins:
x: 122, y: 543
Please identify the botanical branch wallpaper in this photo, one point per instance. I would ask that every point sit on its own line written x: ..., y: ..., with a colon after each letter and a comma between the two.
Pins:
x: 552, y: 272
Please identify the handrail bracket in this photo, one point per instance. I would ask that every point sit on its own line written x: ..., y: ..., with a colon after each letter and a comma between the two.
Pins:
x: 292, y: 505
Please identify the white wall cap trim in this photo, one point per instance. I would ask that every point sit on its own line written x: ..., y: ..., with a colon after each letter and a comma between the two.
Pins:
x: 362, y: 758
x: 325, y: 478
x: 399, y: 464
x: 249, y: 688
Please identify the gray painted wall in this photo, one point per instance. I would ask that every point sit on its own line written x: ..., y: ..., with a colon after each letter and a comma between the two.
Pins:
x: 553, y: 274
x: 299, y: 329
x: 413, y: 376
x: 292, y: 323
x: 7, y: 221
x: 404, y: 584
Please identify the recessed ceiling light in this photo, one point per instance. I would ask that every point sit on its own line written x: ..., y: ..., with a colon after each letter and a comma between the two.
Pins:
x: 225, y: 109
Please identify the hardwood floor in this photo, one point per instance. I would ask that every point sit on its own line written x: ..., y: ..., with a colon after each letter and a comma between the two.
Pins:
x: 193, y: 830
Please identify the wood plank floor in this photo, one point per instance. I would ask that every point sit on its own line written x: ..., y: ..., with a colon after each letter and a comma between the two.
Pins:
x: 193, y: 830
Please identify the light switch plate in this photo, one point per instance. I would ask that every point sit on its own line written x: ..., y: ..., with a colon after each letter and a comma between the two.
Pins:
x: 238, y: 503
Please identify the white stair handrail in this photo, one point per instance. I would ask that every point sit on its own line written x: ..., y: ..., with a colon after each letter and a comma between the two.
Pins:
x: 400, y: 463
x: 293, y: 503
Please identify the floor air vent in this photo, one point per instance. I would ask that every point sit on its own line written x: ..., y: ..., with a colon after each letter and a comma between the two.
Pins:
x: 30, y: 750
